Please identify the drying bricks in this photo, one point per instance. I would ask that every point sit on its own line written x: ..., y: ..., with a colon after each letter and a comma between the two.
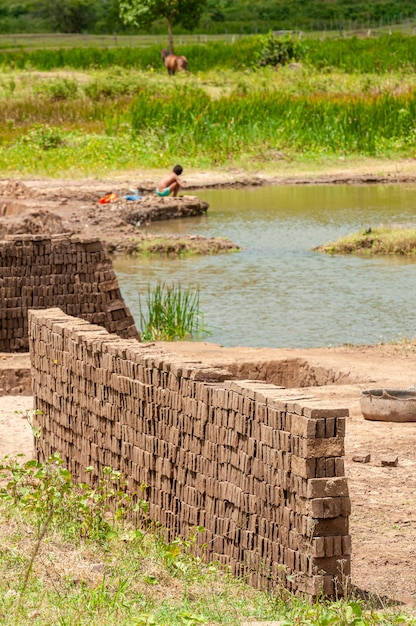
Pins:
x: 73, y: 274
x: 259, y: 467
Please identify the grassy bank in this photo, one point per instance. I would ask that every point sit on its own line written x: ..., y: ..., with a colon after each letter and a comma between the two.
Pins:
x: 380, y: 240
x: 103, y: 122
x: 68, y: 556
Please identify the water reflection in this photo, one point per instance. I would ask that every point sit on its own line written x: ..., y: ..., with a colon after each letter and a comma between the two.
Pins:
x: 278, y: 292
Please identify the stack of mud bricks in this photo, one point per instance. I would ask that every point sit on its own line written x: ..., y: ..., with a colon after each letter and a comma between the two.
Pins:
x: 73, y: 274
x: 258, y: 466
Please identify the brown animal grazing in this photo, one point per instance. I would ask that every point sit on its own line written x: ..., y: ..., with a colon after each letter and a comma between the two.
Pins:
x: 174, y: 63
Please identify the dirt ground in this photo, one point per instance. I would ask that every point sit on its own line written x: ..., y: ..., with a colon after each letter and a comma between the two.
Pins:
x: 383, y: 520
x: 52, y: 206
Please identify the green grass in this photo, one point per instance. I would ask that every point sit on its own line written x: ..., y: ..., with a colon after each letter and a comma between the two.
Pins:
x: 382, y: 54
x: 69, y: 555
x: 171, y: 312
x: 100, y: 114
x: 380, y: 240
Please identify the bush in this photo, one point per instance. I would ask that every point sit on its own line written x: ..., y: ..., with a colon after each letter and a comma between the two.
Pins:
x: 63, y: 89
x: 279, y: 50
x: 43, y: 137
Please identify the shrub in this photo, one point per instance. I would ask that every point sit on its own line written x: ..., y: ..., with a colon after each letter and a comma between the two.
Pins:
x: 62, y: 89
x: 43, y: 137
x: 279, y: 50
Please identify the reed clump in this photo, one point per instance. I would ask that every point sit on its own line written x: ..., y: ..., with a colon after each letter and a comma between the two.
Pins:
x: 172, y: 312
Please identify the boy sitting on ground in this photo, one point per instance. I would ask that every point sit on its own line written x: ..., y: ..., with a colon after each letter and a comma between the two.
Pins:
x: 171, y: 183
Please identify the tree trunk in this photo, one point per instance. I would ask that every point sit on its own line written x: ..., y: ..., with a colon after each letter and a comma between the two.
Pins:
x: 170, y: 31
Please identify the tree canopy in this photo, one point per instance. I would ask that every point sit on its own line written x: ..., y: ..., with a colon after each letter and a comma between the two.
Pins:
x: 142, y: 13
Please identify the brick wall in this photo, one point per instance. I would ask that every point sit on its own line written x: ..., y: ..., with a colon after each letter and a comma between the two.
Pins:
x: 75, y: 274
x: 259, y: 467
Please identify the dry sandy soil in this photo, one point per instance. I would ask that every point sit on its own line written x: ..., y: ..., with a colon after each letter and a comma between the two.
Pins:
x: 383, y: 520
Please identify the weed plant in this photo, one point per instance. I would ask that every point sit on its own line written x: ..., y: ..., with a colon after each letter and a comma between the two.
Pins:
x: 172, y: 313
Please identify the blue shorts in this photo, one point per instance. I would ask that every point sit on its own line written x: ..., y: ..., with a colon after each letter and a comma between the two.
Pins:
x: 163, y: 193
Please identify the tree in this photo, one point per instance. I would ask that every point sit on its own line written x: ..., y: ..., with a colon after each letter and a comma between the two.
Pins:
x: 68, y: 16
x: 143, y: 13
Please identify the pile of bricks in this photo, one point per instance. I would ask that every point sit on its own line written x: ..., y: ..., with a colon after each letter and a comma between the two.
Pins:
x: 259, y: 467
x: 73, y: 274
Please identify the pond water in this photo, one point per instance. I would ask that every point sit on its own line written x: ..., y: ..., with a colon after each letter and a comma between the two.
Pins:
x: 278, y: 292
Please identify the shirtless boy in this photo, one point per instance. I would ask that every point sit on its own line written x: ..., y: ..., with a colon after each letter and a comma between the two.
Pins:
x: 170, y: 184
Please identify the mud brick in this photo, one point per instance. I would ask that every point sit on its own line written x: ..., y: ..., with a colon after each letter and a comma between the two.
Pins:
x: 327, y: 487
x: 318, y: 448
x: 346, y: 545
x: 317, y: 409
x: 339, y: 567
x: 345, y: 507
x: 390, y: 460
x: 340, y: 426
x: 320, y: 428
x: 323, y: 508
x: 303, y: 426
x: 339, y: 466
x: 325, y: 527
x: 284, y: 438
x: 318, y: 547
x: 361, y: 457
x: 330, y: 427
x: 330, y: 467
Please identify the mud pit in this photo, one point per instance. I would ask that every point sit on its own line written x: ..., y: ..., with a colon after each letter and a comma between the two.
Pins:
x: 383, y: 520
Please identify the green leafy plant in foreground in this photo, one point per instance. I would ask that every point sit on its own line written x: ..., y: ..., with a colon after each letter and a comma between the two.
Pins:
x: 173, y: 312
x: 46, y: 493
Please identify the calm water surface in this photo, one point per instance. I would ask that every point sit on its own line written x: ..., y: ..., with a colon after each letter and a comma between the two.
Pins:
x: 278, y: 292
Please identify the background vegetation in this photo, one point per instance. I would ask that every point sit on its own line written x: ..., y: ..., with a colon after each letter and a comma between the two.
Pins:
x: 220, y: 16
x: 90, y: 111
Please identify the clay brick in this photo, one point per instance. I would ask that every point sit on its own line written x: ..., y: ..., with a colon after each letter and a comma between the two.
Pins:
x: 325, y: 507
x: 333, y: 565
x: 302, y: 426
x: 361, y: 457
x: 327, y: 487
x: 390, y: 460
x: 333, y: 446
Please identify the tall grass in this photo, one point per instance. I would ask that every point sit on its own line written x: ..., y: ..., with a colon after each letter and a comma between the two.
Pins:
x: 173, y: 312
x: 201, y: 56
x: 189, y: 123
x: 365, y: 55
x: 385, y: 53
